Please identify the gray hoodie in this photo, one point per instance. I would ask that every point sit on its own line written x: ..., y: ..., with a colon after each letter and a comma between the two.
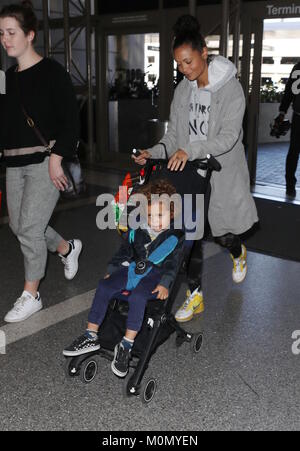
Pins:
x: 220, y: 71
x: 232, y: 208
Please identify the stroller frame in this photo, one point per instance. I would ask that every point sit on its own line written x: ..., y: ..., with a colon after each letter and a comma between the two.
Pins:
x: 159, y: 322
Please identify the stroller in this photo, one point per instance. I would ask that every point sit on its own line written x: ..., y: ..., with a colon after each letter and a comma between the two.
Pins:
x: 159, y: 322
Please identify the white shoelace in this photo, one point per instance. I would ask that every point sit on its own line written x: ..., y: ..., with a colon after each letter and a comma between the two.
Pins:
x: 186, y: 304
x: 188, y: 300
x: 239, y: 264
x: 65, y: 262
x: 19, y: 305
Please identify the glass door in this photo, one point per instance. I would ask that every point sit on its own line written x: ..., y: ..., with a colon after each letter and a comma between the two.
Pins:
x: 280, y: 53
x: 251, y: 75
x: 132, y: 76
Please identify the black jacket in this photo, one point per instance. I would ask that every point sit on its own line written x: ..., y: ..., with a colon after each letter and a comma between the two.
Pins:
x: 289, y: 96
x: 134, y: 252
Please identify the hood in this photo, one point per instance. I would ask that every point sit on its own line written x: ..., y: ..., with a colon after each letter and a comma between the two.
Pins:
x: 220, y: 71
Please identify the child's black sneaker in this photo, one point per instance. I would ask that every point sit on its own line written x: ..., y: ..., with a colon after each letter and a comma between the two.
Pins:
x: 120, y: 364
x: 84, y: 344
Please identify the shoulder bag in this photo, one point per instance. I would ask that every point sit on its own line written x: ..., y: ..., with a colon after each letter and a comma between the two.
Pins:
x: 70, y: 166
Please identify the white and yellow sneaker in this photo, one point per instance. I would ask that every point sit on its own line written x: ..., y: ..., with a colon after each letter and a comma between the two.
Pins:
x: 240, y: 268
x: 193, y: 305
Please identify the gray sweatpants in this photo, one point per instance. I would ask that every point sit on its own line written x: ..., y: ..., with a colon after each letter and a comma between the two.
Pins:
x: 31, y: 199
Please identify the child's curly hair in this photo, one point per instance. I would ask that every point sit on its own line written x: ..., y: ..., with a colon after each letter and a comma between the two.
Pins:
x: 159, y: 187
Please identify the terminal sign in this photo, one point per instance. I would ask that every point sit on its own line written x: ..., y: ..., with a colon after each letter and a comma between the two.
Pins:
x: 283, y: 10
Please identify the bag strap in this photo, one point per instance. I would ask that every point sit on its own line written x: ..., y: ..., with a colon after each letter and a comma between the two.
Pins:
x: 37, y: 132
x: 165, y: 150
x: 29, y: 119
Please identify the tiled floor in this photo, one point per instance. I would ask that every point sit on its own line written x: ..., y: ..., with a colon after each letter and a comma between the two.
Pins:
x: 271, y: 159
x: 245, y: 378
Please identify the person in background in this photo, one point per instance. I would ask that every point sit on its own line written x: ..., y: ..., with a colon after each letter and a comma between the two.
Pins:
x: 292, y: 96
x: 34, y: 177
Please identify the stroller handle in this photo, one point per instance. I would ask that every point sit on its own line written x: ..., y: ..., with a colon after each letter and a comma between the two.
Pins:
x: 210, y: 162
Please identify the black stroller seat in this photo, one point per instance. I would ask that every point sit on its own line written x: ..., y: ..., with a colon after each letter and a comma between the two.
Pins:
x: 158, y: 325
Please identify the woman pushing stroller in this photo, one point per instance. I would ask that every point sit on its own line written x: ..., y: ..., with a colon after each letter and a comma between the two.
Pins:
x: 206, y: 118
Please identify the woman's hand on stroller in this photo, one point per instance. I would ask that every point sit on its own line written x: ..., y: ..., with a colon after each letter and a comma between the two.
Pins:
x: 163, y: 293
x: 142, y: 158
x: 107, y: 276
x: 178, y: 160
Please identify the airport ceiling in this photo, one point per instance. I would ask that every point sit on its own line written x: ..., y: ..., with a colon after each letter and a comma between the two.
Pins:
x: 123, y: 6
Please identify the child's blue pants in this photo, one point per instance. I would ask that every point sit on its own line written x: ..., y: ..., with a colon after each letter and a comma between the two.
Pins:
x: 137, y: 299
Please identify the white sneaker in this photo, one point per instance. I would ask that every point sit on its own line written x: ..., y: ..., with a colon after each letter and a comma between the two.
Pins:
x: 71, y: 261
x: 25, y: 306
x: 240, y: 268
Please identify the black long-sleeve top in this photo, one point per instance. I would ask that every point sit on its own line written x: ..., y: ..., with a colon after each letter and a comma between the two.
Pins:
x: 49, y: 98
x: 289, y: 96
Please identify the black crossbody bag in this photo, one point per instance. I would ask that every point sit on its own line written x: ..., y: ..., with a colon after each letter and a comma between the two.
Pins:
x: 71, y: 166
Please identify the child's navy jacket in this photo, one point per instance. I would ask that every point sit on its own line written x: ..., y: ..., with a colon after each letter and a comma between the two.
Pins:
x: 164, y: 253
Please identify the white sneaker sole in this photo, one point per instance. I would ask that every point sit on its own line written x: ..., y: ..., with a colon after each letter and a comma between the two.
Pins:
x: 85, y: 351
x: 118, y: 373
x: 19, y: 320
x: 76, y: 256
x: 185, y: 319
x: 114, y: 369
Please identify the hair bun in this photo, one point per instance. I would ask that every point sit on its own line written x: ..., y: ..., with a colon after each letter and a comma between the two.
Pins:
x: 186, y: 24
x: 27, y: 4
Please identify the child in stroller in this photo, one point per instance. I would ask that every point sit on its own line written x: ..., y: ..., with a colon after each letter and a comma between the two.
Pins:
x: 144, y: 269
x: 158, y: 324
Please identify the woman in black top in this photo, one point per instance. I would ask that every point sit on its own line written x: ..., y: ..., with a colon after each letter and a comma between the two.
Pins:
x: 42, y: 88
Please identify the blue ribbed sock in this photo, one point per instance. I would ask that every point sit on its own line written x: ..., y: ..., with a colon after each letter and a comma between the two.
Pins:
x: 127, y: 344
x: 91, y: 334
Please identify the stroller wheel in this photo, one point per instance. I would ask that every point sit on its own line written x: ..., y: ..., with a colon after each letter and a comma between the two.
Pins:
x: 70, y: 368
x: 88, y: 370
x: 148, y: 390
x: 196, y: 343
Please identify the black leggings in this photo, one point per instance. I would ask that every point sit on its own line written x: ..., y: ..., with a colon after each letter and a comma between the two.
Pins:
x: 232, y: 243
x: 195, y: 259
